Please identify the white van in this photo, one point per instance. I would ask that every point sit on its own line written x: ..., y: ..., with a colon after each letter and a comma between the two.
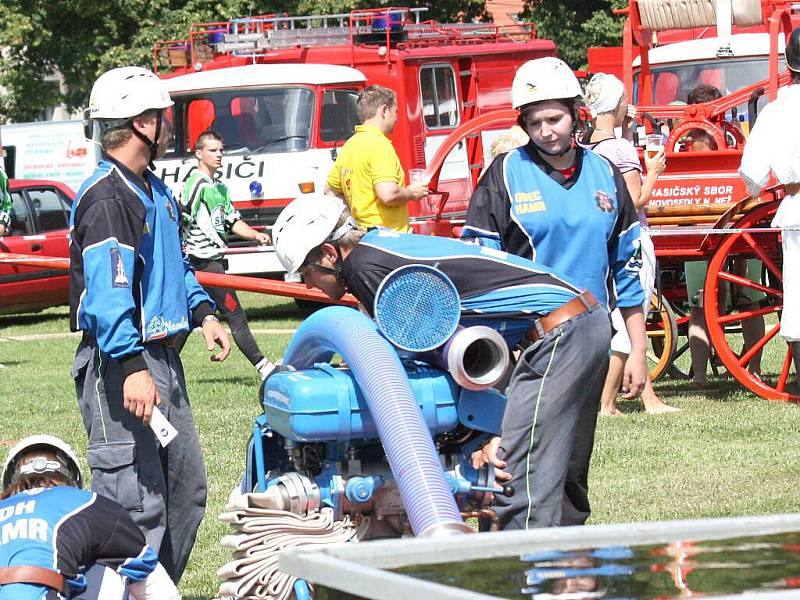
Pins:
x: 52, y: 150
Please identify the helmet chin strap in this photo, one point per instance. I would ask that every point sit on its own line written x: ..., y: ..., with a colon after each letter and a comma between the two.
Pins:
x: 151, y: 144
x: 337, y: 270
x: 562, y: 153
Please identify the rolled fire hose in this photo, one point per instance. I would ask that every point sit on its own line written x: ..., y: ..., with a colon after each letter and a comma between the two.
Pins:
x: 661, y: 15
x: 260, y: 536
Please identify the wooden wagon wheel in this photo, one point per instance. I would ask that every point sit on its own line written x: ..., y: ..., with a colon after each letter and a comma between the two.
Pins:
x: 682, y: 369
x: 674, y: 369
x: 722, y: 271
x: 662, y: 334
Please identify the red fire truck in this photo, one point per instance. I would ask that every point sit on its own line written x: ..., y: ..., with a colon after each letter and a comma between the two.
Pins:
x: 282, y: 92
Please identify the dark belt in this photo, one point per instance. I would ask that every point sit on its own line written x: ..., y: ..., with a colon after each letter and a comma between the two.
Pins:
x: 167, y: 342
x: 33, y: 575
x: 573, y: 308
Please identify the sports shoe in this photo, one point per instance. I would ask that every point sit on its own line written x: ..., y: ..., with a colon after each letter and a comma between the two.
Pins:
x: 265, y: 368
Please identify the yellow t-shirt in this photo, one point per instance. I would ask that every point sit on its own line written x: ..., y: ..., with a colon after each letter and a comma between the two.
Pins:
x: 367, y: 158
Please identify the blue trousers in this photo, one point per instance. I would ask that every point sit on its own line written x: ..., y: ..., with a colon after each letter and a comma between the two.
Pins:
x: 549, y: 422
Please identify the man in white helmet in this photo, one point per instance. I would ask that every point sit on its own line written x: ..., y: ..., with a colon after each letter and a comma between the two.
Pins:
x: 132, y: 291
x: 60, y: 541
x: 533, y: 307
x: 568, y: 208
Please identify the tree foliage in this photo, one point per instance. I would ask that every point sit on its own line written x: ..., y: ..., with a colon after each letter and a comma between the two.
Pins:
x: 576, y: 26
x: 82, y: 38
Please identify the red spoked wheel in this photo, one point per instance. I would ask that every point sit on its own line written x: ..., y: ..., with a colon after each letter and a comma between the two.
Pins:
x: 735, y: 299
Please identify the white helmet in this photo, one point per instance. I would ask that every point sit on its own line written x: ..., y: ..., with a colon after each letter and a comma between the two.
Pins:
x: 67, y: 464
x: 304, y: 224
x: 123, y: 93
x: 547, y: 78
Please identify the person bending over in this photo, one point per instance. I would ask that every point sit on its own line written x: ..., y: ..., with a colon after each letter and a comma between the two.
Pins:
x: 563, y: 333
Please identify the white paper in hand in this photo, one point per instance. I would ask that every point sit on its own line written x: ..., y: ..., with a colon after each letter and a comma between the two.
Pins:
x: 163, y: 429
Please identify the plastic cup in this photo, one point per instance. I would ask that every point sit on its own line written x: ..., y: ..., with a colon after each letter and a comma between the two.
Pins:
x: 653, y: 143
x: 418, y: 176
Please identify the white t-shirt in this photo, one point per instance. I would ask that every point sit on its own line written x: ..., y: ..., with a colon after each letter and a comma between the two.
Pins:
x: 774, y: 147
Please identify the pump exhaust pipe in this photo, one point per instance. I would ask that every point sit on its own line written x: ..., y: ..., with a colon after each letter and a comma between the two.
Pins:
x: 476, y: 357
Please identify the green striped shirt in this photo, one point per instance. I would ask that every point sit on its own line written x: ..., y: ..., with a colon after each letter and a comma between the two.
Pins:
x: 5, y: 202
x: 208, y: 215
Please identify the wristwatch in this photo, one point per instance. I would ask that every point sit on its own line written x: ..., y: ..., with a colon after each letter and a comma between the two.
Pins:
x: 208, y: 318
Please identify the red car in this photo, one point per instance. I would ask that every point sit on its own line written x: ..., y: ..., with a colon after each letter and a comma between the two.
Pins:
x: 39, y: 226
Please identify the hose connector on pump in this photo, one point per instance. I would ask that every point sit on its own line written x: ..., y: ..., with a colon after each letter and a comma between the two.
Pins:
x: 417, y: 308
x: 476, y: 357
x: 361, y: 489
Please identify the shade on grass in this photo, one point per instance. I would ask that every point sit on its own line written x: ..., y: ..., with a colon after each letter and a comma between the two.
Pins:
x: 726, y: 453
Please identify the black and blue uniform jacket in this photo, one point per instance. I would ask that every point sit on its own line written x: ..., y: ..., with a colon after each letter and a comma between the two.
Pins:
x: 129, y: 279
x: 496, y: 289
x: 585, y: 227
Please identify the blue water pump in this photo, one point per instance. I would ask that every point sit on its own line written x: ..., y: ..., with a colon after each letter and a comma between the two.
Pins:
x: 388, y: 431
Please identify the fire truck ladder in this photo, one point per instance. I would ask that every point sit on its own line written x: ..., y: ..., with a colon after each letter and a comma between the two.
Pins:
x: 255, y: 36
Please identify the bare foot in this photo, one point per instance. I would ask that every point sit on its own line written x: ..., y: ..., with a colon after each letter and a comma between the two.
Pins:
x: 612, y: 412
x: 661, y: 409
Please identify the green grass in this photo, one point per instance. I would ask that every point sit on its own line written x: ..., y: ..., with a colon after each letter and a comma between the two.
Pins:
x: 726, y: 453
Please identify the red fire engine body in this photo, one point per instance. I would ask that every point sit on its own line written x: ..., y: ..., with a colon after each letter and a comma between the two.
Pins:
x: 282, y: 91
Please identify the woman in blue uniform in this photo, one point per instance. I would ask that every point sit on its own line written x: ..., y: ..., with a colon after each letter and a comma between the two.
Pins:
x: 569, y: 209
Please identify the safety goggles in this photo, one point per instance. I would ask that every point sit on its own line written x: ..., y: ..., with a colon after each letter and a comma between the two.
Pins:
x: 40, y: 464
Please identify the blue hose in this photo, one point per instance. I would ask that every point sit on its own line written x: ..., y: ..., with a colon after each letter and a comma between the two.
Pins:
x: 380, y: 374
x: 301, y: 591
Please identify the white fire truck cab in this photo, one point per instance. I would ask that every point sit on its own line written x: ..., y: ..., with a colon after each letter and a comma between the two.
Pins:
x: 281, y: 125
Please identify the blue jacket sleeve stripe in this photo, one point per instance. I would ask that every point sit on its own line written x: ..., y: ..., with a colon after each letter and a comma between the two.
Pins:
x: 108, y: 310
x: 488, y: 239
x: 626, y: 264
x: 139, y: 567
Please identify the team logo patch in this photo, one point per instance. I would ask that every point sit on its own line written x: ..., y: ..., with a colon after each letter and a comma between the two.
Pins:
x: 159, y: 327
x: 635, y: 262
x: 171, y: 211
x: 119, y: 279
x: 218, y: 218
x: 604, y: 201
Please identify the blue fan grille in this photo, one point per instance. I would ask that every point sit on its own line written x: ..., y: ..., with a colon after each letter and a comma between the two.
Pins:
x: 417, y: 308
